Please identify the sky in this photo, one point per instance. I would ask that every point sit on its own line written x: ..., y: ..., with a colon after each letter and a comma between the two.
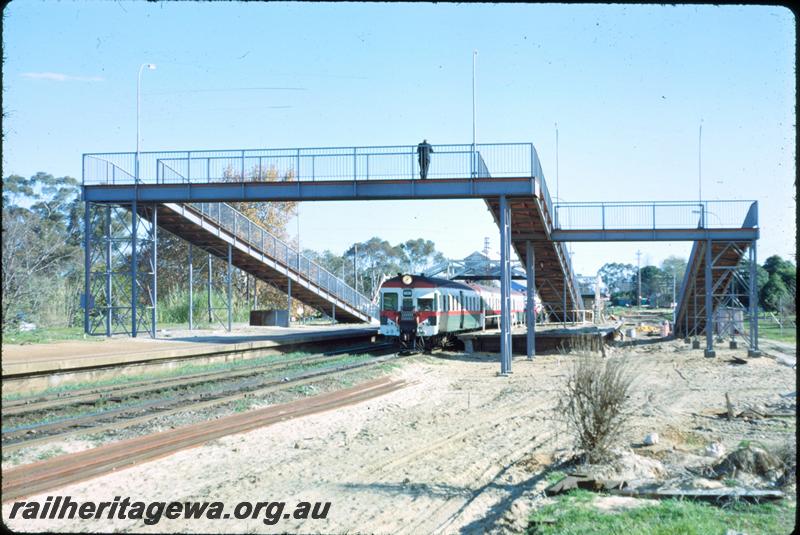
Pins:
x: 626, y: 86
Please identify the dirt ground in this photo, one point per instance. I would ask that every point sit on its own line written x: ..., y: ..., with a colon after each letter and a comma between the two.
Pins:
x: 458, y: 450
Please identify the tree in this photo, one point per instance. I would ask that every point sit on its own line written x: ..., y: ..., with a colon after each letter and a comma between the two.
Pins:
x: 775, y: 295
x: 419, y: 254
x: 779, y: 290
x: 273, y: 216
x: 674, y: 268
x: 653, y: 284
x: 41, y: 249
x: 375, y: 258
x: 619, y: 278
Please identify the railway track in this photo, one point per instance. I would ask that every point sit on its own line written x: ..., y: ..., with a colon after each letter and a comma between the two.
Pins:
x: 89, y: 396
x: 66, y: 469
x: 144, y: 401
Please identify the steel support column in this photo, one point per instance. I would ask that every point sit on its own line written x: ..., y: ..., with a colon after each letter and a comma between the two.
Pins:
x: 191, y: 290
x: 333, y: 321
x: 289, y: 304
x: 87, y: 266
x: 109, y: 268
x: 696, y: 312
x: 134, y: 268
x: 229, y: 291
x: 709, y: 351
x: 154, y: 245
x: 505, y: 286
x: 109, y: 300
x: 564, y: 302
x: 686, y: 317
x: 530, y: 305
x: 208, y: 293
x: 753, y: 350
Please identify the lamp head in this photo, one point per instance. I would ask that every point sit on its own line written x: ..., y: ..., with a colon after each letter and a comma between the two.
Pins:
x: 151, y: 66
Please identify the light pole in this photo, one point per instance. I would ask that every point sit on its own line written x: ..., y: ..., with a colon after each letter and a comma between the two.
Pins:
x: 355, y: 268
x: 297, y: 214
x: 557, y: 160
x: 474, y: 136
x: 639, y: 277
x: 674, y: 277
x: 152, y: 67
x: 299, y: 254
x: 700, y: 162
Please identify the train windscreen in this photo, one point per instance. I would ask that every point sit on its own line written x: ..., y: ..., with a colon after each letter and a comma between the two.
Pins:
x: 390, y: 301
x: 425, y: 305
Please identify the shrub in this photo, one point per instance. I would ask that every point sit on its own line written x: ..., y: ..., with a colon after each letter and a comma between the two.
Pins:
x: 594, y: 404
x: 787, y: 455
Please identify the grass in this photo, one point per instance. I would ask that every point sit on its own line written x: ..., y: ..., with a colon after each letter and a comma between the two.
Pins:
x: 46, y: 335
x: 574, y: 514
x: 770, y: 330
x: 240, y: 405
x: 50, y: 453
x: 189, y: 369
x: 555, y: 476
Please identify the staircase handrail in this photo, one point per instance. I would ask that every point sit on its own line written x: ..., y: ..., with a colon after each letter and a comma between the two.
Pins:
x: 340, y: 288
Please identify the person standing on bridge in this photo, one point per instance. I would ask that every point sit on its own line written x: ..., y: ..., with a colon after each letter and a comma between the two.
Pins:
x: 424, y: 151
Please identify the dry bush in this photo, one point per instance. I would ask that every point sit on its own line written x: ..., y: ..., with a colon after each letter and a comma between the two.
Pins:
x: 594, y: 404
x: 585, y: 344
x: 787, y: 454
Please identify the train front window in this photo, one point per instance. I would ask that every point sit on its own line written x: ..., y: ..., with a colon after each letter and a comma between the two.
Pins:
x: 425, y: 305
x: 408, y: 304
x: 390, y: 301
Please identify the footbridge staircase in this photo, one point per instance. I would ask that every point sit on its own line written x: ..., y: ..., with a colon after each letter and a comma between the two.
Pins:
x: 215, y: 227
x: 716, y: 295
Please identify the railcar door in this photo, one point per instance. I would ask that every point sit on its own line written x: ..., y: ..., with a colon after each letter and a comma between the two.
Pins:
x: 461, y: 307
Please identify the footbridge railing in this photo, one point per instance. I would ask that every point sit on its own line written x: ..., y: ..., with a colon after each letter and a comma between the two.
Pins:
x: 310, y: 164
x: 621, y: 216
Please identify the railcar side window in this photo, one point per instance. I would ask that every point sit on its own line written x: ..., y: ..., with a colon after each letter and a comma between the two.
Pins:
x: 389, y: 301
x: 425, y: 305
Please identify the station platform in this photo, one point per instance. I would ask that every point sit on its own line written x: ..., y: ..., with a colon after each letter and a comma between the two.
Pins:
x: 100, y: 352
x: 548, y: 338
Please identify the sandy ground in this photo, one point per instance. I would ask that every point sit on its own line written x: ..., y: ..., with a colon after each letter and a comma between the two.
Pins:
x: 458, y: 450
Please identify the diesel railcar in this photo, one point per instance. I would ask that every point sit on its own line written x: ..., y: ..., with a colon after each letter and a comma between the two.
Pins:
x: 423, y: 312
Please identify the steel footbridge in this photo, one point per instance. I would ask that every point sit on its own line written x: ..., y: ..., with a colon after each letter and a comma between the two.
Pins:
x: 184, y: 192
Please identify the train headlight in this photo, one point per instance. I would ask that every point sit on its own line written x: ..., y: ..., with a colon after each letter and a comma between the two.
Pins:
x: 407, y: 279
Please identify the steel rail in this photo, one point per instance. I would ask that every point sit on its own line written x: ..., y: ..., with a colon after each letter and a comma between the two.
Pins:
x: 194, y: 402
x: 53, y: 473
x: 114, y: 392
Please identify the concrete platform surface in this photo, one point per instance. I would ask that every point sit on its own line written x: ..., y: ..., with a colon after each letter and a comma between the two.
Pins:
x: 549, y: 337
x: 547, y: 329
x: 73, y: 355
